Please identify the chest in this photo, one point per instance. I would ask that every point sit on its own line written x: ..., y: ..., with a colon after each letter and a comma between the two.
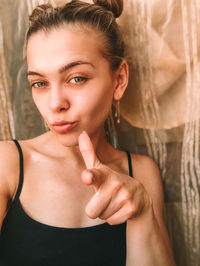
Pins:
x: 54, y: 194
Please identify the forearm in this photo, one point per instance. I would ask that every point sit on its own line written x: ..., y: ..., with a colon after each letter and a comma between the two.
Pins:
x: 145, y: 244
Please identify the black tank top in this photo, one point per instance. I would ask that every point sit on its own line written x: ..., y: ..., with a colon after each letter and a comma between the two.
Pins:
x: 26, y: 242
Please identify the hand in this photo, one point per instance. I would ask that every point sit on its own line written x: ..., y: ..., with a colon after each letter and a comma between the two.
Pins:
x: 118, y: 197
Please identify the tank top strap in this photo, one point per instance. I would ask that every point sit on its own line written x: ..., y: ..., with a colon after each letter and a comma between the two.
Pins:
x: 129, y: 164
x: 21, y: 170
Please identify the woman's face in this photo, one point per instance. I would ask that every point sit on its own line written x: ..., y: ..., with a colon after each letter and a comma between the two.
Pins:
x: 72, y: 83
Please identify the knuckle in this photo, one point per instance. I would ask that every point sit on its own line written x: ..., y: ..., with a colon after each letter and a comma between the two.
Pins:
x: 116, y: 184
x: 126, y: 196
x: 130, y: 213
x: 131, y: 210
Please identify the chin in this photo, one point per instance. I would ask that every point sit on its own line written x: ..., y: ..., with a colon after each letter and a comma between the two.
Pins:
x: 68, y: 140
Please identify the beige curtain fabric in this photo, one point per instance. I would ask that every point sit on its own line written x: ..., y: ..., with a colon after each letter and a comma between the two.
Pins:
x: 160, y: 110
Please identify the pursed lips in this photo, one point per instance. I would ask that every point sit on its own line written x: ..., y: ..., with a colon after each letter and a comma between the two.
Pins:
x: 63, y: 127
x: 61, y: 123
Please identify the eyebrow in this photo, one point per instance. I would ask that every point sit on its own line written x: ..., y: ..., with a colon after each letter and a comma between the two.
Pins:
x: 63, y: 68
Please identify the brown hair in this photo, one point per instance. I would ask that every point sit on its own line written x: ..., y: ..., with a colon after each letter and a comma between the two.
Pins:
x: 99, y: 16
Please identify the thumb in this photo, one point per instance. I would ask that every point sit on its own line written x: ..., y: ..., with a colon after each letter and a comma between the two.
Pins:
x: 87, y: 151
x: 93, y: 177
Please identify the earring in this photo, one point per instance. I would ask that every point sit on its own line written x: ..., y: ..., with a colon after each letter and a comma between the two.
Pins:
x: 117, y: 112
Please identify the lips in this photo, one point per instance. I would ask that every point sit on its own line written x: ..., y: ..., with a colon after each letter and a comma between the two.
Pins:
x: 63, y: 127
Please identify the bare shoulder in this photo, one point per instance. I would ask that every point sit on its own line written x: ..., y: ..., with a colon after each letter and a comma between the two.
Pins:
x: 143, y: 165
x: 146, y: 171
x: 9, y: 167
x: 9, y: 175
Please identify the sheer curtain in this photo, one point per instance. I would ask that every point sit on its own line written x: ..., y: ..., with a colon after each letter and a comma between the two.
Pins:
x: 160, y: 110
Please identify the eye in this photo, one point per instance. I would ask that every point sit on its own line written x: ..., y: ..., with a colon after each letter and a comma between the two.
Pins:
x: 38, y: 84
x: 77, y: 80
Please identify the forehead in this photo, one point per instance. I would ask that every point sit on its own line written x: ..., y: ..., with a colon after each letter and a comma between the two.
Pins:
x: 45, y: 49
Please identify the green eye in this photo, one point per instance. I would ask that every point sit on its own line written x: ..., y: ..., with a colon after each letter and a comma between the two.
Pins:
x: 38, y: 84
x: 77, y: 80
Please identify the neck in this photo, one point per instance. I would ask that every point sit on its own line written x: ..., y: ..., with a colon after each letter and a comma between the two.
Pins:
x: 102, y: 148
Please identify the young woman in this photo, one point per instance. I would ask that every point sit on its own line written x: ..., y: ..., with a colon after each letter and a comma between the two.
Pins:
x: 68, y: 197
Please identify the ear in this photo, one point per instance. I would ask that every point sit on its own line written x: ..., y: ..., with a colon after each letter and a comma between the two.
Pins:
x: 121, y: 80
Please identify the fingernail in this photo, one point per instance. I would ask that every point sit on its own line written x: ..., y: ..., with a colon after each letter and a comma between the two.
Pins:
x: 83, y: 132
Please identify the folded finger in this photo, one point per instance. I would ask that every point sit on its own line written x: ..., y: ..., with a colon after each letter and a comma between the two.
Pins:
x: 114, y: 205
x: 122, y: 215
x: 97, y: 204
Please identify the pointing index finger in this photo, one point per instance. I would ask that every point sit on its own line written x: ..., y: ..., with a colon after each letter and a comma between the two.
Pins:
x: 87, y: 150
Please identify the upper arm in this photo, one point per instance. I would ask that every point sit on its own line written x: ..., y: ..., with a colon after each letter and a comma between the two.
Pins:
x: 147, y: 173
x: 8, y: 175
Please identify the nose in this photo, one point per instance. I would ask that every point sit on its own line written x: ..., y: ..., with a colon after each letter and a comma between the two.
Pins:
x: 58, y: 100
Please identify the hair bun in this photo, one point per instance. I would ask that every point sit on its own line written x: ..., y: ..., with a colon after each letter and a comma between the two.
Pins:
x: 40, y: 11
x: 115, y: 6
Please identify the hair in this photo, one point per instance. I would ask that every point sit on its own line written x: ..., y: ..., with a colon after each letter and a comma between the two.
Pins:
x: 99, y: 17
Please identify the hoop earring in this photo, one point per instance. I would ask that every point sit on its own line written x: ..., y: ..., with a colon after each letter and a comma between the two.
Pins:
x: 117, y: 112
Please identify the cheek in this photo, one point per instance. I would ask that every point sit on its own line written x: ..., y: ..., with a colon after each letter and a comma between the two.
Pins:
x: 40, y: 103
x: 97, y: 103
